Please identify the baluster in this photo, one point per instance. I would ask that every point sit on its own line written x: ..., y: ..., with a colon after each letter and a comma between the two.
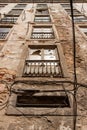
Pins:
x: 44, y: 69
x: 28, y: 68
x: 25, y: 68
x: 32, y: 68
x: 40, y: 70
x: 48, y: 68
x: 52, y: 68
x: 57, y: 69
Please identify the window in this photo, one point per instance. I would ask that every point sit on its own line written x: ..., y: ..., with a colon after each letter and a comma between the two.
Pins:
x: 42, y: 61
x: 9, y: 19
x: 42, y: 32
x: 65, y: 5
x: 4, y: 30
x: 20, y: 6
x: 75, y: 11
x: 26, y: 100
x: 84, y: 29
x: 41, y: 18
x: 80, y: 18
x: 2, y: 5
x: 42, y: 11
x: 40, y: 6
x: 16, y: 12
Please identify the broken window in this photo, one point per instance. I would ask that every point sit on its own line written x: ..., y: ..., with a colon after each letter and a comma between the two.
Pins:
x: 80, y: 18
x: 4, y: 30
x: 42, y: 11
x: 16, y: 12
x: 42, y: 18
x: 40, y: 6
x: 84, y: 29
x: 9, y: 19
x: 42, y: 32
x: 42, y: 61
x: 35, y: 98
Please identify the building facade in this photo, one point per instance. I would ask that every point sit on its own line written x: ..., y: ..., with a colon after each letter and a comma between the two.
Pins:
x: 36, y: 66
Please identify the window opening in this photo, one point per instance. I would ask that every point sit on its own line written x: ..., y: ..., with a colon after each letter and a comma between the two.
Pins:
x: 42, y: 61
x: 4, y: 30
x: 42, y: 32
x: 65, y: 5
x: 16, y: 12
x: 41, y: 18
x: 20, y: 6
x: 75, y: 11
x: 2, y: 5
x: 40, y: 6
x: 25, y: 100
x: 9, y: 19
x: 80, y: 18
x: 84, y: 29
x: 42, y: 11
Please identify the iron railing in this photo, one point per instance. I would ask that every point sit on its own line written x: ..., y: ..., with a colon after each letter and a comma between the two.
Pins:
x: 8, y: 20
x: 3, y: 35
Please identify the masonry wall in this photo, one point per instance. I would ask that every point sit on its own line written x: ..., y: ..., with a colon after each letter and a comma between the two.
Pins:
x: 12, y: 57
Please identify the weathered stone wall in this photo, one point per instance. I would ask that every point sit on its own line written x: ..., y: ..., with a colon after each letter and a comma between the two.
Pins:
x: 12, y: 56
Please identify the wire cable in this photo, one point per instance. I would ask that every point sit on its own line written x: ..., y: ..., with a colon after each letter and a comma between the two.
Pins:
x: 74, y: 66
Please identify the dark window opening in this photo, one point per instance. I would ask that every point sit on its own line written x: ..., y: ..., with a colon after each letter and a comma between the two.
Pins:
x: 42, y: 61
x: 4, y: 30
x: 26, y: 100
x: 42, y: 32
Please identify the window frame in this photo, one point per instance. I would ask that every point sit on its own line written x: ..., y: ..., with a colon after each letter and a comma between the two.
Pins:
x: 43, y: 32
x: 8, y: 32
x: 55, y: 70
x: 42, y: 20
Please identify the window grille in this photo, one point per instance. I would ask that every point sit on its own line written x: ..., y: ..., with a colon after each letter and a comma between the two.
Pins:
x: 4, y: 30
x: 9, y: 20
x: 42, y: 32
x: 84, y: 29
x: 20, y: 6
x: 65, y: 5
x: 41, y: 18
x: 80, y: 18
x: 42, y: 61
x: 16, y: 12
x: 75, y: 11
